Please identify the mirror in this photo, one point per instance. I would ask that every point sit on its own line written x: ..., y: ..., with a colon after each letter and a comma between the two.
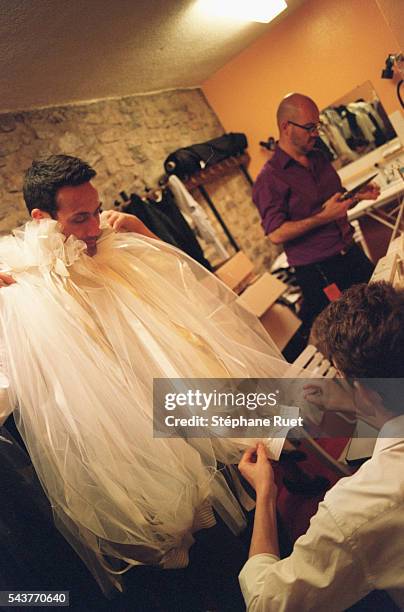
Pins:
x: 354, y: 125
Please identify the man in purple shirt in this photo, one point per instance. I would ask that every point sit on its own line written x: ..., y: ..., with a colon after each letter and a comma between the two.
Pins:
x: 298, y: 196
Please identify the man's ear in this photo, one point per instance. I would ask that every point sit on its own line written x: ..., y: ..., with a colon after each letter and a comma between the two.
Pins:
x: 370, y: 406
x: 368, y: 399
x: 38, y: 214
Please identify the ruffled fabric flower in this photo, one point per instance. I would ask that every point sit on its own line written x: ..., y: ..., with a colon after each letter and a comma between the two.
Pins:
x: 40, y: 244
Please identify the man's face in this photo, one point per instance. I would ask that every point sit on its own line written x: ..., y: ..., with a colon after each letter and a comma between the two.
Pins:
x: 303, y: 140
x: 78, y: 212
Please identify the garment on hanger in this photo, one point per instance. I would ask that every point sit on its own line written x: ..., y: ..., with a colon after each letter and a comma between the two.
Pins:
x: 164, y: 218
x: 153, y: 219
x: 83, y: 339
x: 387, y: 128
x: 183, y: 233
x: 373, y: 110
x: 323, y: 144
x: 330, y: 127
x: 355, y: 128
x: 352, y: 129
x: 363, y: 119
x: 342, y: 121
x: 190, y: 206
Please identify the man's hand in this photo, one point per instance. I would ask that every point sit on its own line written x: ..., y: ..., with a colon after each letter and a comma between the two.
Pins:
x: 257, y: 470
x: 369, y: 192
x: 334, y: 208
x: 6, y: 279
x: 358, y: 400
x: 122, y: 222
x: 331, y: 395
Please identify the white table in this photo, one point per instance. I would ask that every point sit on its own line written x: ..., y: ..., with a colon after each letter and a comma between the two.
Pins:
x: 373, y: 208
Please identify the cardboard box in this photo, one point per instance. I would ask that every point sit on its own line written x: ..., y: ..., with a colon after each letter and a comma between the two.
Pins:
x: 264, y: 292
x: 259, y: 299
x: 237, y: 272
x: 281, y: 324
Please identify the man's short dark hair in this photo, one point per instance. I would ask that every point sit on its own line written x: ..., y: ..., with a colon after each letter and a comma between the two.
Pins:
x: 45, y: 177
x: 363, y: 334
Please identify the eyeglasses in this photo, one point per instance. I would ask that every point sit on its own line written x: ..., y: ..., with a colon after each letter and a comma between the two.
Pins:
x: 308, y: 127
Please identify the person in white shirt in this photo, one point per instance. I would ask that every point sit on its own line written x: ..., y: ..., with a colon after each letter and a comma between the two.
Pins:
x: 354, y: 544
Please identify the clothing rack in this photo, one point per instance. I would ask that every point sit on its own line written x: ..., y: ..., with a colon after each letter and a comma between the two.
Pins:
x: 212, y: 173
x: 200, y: 179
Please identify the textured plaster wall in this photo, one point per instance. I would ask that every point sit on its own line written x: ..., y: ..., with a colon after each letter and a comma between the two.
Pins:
x: 126, y: 140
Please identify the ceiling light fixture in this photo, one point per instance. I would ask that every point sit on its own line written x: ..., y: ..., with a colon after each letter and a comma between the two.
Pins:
x: 261, y: 11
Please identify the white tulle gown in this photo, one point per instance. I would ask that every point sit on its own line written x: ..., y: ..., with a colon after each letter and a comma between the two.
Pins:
x: 83, y: 339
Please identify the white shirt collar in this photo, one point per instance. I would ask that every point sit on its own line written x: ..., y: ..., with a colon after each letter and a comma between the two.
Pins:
x: 390, y: 434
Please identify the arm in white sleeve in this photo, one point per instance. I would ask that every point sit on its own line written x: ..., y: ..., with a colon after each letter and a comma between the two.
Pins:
x: 322, y: 573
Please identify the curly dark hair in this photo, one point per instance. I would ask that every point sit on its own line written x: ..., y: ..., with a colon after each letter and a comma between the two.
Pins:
x: 44, y: 177
x: 363, y: 331
x: 363, y: 334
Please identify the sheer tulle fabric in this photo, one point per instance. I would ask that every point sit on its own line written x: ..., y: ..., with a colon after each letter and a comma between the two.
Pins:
x: 84, y: 337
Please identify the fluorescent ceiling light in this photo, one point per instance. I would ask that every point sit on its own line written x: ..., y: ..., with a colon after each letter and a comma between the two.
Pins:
x: 262, y: 11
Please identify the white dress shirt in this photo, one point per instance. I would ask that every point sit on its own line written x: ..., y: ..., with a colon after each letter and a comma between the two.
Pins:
x: 355, y: 542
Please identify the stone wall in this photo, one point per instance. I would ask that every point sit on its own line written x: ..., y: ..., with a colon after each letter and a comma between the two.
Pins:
x: 126, y: 140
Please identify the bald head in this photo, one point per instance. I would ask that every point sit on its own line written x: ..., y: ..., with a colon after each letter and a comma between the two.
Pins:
x: 293, y: 107
x: 298, y: 119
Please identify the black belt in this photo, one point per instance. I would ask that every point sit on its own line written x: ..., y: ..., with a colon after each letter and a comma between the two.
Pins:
x: 342, y: 252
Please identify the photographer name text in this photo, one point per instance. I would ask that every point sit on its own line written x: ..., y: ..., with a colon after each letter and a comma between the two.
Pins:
x: 232, y: 422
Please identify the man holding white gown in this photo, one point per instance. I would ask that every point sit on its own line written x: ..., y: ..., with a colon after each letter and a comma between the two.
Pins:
x: 94, y: 315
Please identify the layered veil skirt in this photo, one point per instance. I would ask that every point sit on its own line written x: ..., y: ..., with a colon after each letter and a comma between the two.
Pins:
x: 83, y: 338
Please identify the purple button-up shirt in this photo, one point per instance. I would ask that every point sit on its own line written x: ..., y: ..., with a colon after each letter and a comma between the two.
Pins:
x: 287, y: 191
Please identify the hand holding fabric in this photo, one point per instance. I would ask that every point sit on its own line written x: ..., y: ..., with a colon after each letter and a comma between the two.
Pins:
x: 256, y: 468
x: 123, y: 222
